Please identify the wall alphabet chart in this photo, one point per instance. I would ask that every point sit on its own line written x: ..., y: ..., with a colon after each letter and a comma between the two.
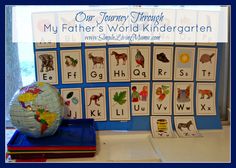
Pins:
x: 135, y: 86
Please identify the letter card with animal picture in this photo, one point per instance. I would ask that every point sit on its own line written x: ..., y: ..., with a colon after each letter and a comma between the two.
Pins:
x: 119, y: 64
x: 186, y: 127
x: 184, y: 63
x: 183, y: 98
x: 95, y: 103
x: 96, y: 69
x: 71, y: 66
x: 119, y: 103
x: 205, y: 99
x: 41, y: 45
x: 47, y: 66
x: 140, y: 98
x: 162, y: 63
x: 161, y: 127
x: 206, y: 64
x: 140, y: 62
x: 162, y: 98
x: 73, y: 103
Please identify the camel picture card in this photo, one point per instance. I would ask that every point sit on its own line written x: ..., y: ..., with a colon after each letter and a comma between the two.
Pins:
x: 183, y: 98
x: 140, y: 62
x: 140, y: 98
x: 162, y: 63
x: 70, y: 44
x: 119, y: 64
x: 206, y: 64
x: 71, y: 66
x: 205, y: 99
x: 184, y: 63
x: 119, y: 103
x: 185, y: 126
x: 42, y: 45
x: 96, y: 65
x: 47, y: 66
x: 95, y: 103
x: 162, y: 98
x: 73, y: 103
x: 161, y: 127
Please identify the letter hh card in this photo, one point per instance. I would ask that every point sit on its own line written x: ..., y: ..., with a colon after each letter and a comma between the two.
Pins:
x: 96, y: 70
x: 184, y: 63
x: 140, y: 62
x: 73, y: 103
x: 95, y: 103
x: 205, y: 99
x: 45, y: 45
x: 47, y: 66
x: 206, y: 64
x: 162, y: 63
x: 119, y: 70
x: 140, y: 98
x: 119, y: 102
x: 161, y: 126
x: 70, y: 44
x: 185, y: 126
x: 162, y: 98
x: 183, y: 98
x: 71, y: 66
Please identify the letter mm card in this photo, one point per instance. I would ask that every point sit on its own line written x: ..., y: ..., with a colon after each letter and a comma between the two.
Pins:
x: 96, y: 65
x: 95, y: 103
x: 71, y: 66
x: 47, y: 66
x: 183, y: 98
x: 162, y: 98
x: 119, y: 103
x: 73, y: 103
x: 205, y: 99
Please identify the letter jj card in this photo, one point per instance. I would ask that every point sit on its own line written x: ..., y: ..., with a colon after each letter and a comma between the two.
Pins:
x: 205, y: 99
x: 161, y: 126
x: 95, y: 103
x: 96, y: 70
x: 186, y: 127
x: 119, y: 102
x: 47, y: 66
x: 73, y: 103
x: 140, y: 62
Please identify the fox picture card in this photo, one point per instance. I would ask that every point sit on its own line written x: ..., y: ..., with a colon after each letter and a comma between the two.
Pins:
x: 161, y: 98
x: 95, y: 103
x: 71, y: 66
x: 47, y: 66
x: 140, y: 98
x: 185, y: 126
x: 42, y: 45
x: 161, y: 127
x: 184, y: 63
x: 119, y: 64
x: 140, y: 62
x: 96, y: 65
x: 73, y: 103
x: 206, y: 64
x: 119, y: 103
x: 205, y: 99
x: 162, y: 63
x: 183, y: 98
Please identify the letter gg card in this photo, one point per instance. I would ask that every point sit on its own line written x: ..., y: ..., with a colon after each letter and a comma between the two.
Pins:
x: 95, y: 103
x: 71, y: 66
x: 140, y: 98
x: 205, y: 99
x: 96, y: 70
x: 47, y: 66
x: 119, y: 102
x: 161, y: 126
x: 73, y: 103
x: 162, y: 98
x: 186, y: 127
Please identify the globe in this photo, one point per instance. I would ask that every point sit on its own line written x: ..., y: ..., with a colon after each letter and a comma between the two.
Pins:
x: 36, y: 110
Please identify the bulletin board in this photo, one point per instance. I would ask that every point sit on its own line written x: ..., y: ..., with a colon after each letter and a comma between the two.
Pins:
x: 122, y: 85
